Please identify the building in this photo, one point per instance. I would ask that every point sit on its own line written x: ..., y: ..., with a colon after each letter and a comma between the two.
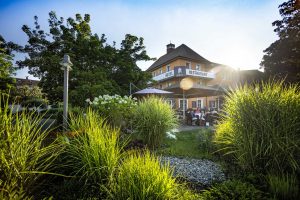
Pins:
x: 22, y: 82
x: 194, y: 80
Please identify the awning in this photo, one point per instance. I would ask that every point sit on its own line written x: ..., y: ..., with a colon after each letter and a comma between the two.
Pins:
x: 196, y: 91
x: 152, y: 91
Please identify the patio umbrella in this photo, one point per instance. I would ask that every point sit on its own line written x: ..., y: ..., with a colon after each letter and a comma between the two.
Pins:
x: 152, y: 91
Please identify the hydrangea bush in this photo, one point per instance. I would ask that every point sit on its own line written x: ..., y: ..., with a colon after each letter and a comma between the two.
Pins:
x: 116, y: 109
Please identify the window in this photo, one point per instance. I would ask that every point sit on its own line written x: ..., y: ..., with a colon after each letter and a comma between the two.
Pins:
x: 194, y: 104
x: 169, y: 84
x: 199, y: 103
x: 168, y: 68
x: 154, y: 74
x: 198, y: 67
x: 160, y: 86
x: 171, y: 102
x: 212, y: 104
x: 160, y: 71
x: 188, y: 65
x: 200, y: 82
x: 183, y: 104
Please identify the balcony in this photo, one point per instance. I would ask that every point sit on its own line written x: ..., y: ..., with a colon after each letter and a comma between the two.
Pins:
x: 163, y: 76
x: 182, y: 71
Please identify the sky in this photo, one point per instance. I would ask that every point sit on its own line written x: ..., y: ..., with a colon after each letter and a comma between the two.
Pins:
x: 230, y: 32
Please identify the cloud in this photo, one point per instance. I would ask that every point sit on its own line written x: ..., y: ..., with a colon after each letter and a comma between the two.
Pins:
x: 223, y: 31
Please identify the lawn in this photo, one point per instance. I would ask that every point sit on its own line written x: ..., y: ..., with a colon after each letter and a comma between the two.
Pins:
x: 189, y: 144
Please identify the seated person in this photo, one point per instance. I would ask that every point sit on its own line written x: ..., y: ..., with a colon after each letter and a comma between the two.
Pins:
x: 197, y: 111
x: 191, y: 117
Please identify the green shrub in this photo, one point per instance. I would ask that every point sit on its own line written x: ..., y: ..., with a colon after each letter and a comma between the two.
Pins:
x: 94, y: 152
x: 284, y: 186
x: 152, y: 119
x: 205, y: 139
x: 116, y: 109
x: 142, y: 177
x: 34, y: 103
x: 261, y: 127
x: 232, y: 190
x: 25, y: 158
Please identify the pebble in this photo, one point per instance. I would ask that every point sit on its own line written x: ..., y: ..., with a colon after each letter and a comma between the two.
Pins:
x: 200, y: 171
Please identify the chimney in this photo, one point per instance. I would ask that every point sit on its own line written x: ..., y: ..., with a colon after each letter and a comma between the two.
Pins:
x: 170, y: 47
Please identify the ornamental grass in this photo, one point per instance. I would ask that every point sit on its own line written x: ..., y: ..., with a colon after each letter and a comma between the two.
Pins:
x: 25, y: 156
x: 261, y: 127
x: 153, y: 118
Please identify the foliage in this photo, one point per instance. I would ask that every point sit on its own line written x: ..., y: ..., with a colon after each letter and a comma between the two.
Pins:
x: 205, y: 140
x: 116, y: 109
x: 26, y: 92
x: 94, y: 152
x: 153, y: 118
x: 24, y: 156
x: 98, y: 68
x: 261, y: 127
x: 232, y: 190
x: 284, y: 186
x: 34, y: 103
x: 143, y: 177
x: 6, y: 67
x: 282, y: 58
x: 189, y: 144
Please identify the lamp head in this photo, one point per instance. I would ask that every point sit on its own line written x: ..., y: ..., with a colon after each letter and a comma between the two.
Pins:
x: 66, y: 62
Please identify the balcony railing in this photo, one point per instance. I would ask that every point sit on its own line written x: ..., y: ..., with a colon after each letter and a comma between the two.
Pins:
x: 198, y: 73
x: 184, y: 72
x: 164, y: 75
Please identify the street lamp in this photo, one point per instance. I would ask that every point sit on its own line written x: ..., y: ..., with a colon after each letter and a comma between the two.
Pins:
x: 185, y: 84
x: 66, y: 66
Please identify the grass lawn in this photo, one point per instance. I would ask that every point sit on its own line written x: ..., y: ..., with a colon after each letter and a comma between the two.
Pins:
x: 189, y: 144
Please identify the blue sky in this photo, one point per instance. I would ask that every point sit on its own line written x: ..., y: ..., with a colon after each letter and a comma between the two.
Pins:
x: 232, y: 32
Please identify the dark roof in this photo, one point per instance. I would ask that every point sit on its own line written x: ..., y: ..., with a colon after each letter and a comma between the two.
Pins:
x: 181, y: 51
x: 29, y: 82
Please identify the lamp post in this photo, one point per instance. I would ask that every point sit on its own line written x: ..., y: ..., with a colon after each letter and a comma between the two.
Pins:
x: 66, y: 66
x: 185, y: 84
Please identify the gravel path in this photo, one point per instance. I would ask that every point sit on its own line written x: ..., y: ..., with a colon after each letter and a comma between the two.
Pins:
x: 202, y: 171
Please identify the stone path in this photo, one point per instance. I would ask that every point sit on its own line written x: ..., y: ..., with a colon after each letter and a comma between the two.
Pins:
x: 198, y: 171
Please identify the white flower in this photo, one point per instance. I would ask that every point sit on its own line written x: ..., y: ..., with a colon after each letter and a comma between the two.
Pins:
x: 171, y: 136
x: 88, y: 100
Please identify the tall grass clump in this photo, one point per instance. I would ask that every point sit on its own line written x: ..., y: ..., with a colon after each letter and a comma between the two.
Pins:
x: 284, y: 186
x: 153, y: 118
x: 142, y: 177
x: 93, y: 154
x: 25, y: 156
x: 261, y: 127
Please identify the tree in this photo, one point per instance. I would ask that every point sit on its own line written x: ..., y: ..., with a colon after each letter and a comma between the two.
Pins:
x: 6, y: 66
x: 26, y: 92
x: 98, y: 68
x: 282, y: 58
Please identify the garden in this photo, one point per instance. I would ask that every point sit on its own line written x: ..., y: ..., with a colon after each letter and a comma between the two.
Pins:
x: 120, y: 148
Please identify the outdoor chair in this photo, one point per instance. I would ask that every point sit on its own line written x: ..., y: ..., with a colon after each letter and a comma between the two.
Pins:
x: 190, y: 118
